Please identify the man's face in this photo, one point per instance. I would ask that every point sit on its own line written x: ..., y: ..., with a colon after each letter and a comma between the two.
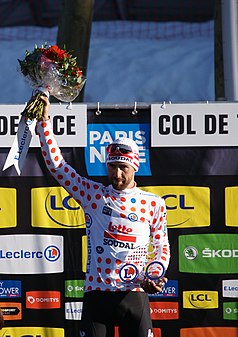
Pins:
x: 121, y: 175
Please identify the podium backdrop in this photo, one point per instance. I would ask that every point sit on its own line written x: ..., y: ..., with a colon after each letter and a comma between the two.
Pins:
x: 188, y: 156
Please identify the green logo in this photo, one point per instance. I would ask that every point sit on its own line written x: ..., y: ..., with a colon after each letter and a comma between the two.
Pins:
x: 208, y: 253
x: 230, y: 310
x: 74, y: 288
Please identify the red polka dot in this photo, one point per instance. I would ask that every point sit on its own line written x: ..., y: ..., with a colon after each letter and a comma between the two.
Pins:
x: 41, y: 144
x: 89, y: 197
x: 59, y: 177
x: 98, y: 196
x: 81, y: 193
x: 117, y: 271
x: 154, y: 220
x: 89, y: 288
x: 99, y: 270
x: 44, y: 153
x: 114, y: 198
x: 66, y: 169
x: 98, y: 288
x: 99, y: 280
x: 99, y: 259
x: 73, y: 175
x: 90, y: 278
x: 83, y: 183
x: 49, y: 141
x: 94, y: 206
x: 108, y: 281
x: 46, y: 133
x: 122, y: 215
x: 53, y: 150
x: 143, y: 202
x: 108, y: 261
x: 53, y: 170
x: 43, y: 124
x: 142, y: 210
x: 56, y: 158
x: 153, y: 203
x: 118, y: 262
x: 123, y: 199
x: 151, y: 213
x: 123, y: 208
x: 75, y: 188
x: 47, y: 162
x: 95, y: 187
x: 67, y: 183
x: 108, y: 271
x: 142, y: 219
x: 79, y: 180
x: 162, y: 209
x: 157, y: 236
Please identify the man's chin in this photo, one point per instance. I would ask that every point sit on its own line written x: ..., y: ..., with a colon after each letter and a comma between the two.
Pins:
x: 118, y: 185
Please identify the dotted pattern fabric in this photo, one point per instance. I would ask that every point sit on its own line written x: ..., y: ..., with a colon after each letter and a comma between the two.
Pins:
x: 121, y: 225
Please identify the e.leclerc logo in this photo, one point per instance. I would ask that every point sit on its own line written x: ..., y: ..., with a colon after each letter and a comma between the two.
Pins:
x: 31, y: 254
x: 208, y: 253
x: 104, y: 134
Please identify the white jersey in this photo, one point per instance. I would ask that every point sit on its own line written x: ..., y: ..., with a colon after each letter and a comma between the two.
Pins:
x: 120, y: 225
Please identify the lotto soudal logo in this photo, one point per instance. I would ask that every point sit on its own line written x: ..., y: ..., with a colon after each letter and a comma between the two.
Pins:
x: 199, y: 299
x: 43, y: 300
x: 31, y: 254
x: 10, y: 288
x: 119, y: 232
x: 230, y: 288
x: 164, y: 310
x: 30, y: 331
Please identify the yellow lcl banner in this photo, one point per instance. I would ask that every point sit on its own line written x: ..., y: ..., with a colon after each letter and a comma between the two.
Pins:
x: 187, y: 206
x: 53, y: 207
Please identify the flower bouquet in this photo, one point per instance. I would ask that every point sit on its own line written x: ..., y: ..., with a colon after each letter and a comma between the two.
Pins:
x: 52, y: 71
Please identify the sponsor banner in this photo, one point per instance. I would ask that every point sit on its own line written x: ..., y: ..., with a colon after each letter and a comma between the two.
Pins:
x: 10, y: 288
x: 8, y: 207
x: 164, y: 310
x: 208, y: 253
x: 170, y: 289
x: 187, y: 206
x: 200, y: 299
x: 230, y: 288
x: 31, y: 254
x: 230, y: 311
x: 231, y: 209
x: 69, y: 125
x: 30, y: 331
x: 209, y: 332
x: 43, y: 299
x: 101, y: 135
x: 84, y: 252
x: 194, y: 124
x: 11, y: 310
x: 53, y: 207
x: 74, y: 288
x: 156, y: 332
x: 73, y: 310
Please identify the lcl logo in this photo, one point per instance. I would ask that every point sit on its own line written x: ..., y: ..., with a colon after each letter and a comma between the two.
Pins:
x: 179, y: 202
x: 200, y: 299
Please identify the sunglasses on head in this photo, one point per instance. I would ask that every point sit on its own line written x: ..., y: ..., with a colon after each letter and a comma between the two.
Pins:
x: 119, y: 148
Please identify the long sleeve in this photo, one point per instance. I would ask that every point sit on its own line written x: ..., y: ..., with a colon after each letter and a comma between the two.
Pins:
x: 159, y: 234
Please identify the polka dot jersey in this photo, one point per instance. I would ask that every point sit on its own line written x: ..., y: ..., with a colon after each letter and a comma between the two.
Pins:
x: 120, y: 225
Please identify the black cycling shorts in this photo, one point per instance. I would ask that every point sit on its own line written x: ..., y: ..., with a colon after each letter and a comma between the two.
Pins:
x: 103, y: 310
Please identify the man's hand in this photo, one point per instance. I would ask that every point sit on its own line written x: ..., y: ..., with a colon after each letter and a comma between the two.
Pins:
x: 45, y: 112
x: 152, y: 287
